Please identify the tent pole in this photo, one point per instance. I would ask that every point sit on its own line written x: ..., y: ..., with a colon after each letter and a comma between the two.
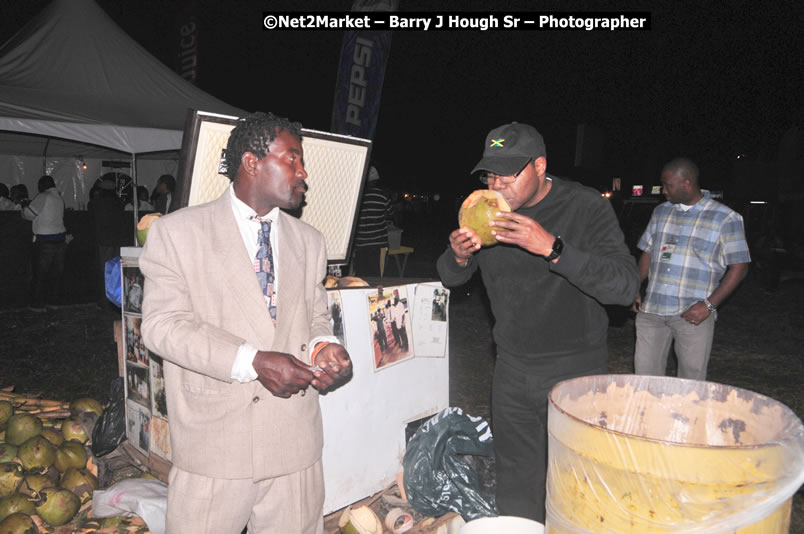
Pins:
x: 134, y: 197
x: 44, y: 157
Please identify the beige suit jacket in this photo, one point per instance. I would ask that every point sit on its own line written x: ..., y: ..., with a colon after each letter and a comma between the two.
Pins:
x: 202, y: 301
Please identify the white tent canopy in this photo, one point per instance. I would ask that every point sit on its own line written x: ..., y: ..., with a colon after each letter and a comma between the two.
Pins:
x: 75, y: 89
x: 72, y: 73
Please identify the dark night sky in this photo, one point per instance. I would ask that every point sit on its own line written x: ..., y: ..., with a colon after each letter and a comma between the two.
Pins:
x: 710, y: 80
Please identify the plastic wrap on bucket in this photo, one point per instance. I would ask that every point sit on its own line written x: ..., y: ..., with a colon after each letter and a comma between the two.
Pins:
x: 502, y: 524
x: 644, y: 454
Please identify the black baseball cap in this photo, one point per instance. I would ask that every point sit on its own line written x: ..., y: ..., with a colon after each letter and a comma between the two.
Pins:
x: 509, y: 148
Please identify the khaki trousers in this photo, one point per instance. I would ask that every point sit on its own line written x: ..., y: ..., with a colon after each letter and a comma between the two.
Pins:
x: 692, y: 344
x: 202, y: 505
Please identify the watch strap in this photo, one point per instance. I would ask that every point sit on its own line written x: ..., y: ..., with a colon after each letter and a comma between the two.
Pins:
x: 558, y: 248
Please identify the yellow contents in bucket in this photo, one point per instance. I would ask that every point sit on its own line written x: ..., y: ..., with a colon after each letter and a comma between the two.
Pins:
x: 644, y: 455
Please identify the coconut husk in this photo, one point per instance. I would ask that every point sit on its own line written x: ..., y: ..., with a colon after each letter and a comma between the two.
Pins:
x: 85, y: 522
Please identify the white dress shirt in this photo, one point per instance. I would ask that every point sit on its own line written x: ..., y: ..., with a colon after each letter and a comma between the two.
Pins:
x: 243, y: 368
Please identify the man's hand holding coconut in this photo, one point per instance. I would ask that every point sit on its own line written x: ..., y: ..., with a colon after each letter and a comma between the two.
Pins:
x: 524, y: 232
x: 514, y: 169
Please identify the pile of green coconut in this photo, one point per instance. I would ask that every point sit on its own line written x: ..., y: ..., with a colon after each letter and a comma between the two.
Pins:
x: 43, y: 462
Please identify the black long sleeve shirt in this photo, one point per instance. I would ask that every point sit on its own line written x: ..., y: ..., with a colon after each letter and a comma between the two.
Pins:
x: 543, y: 308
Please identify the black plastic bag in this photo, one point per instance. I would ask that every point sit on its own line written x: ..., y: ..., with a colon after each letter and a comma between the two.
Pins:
x: 110, y: 429
x: 437, y: 480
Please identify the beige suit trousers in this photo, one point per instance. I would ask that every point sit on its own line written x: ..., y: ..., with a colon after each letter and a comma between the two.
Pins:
x: 280, y: 505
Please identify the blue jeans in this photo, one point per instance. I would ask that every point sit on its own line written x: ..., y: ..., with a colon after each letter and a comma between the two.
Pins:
x: 48, y: 269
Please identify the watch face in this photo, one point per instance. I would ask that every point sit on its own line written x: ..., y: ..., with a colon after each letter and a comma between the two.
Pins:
x: 558, y: 246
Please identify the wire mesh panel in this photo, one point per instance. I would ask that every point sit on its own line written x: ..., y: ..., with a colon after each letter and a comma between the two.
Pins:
x: 336, y: 167
x: 207, y: 182
x: 336, y: 171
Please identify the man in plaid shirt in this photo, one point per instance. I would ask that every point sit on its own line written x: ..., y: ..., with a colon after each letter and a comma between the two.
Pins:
x: 694, y: 256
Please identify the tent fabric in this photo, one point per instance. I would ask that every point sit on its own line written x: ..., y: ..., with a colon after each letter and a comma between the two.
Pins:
x: 72, y: 73
x: 122, y: 139
x: 23, y: 144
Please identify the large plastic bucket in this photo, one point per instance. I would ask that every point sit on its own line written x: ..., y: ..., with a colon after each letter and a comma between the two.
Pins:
x: 502, y: 524
x: 643, y: 455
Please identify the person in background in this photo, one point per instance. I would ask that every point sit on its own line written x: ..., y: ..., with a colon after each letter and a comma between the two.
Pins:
x: 694, y: 256
x: 399, y: 321
x: 109, y: 226
x: 379, y: 323
x: 235, y: 304
x: 561, y: 256
x: 165, y: 201
x: 142, y: 200
x: 372, y: 227
x: 6, y: 204
x: 46, y: 211
x: 19, y: 195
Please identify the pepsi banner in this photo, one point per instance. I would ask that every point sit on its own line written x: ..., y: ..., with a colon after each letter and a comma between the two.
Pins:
x: 359, y: 84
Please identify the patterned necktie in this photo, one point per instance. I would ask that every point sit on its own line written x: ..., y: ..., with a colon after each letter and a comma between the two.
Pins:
x: 264, y: 266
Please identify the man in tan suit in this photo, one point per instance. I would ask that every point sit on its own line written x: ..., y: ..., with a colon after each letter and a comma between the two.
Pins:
x: 245, y: 424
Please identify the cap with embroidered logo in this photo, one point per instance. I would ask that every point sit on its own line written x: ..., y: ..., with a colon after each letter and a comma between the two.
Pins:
x: 509, y: 148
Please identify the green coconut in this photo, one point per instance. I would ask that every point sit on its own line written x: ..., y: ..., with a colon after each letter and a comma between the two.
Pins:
x: 114, y: 521
x: 7, y: 452
x: 11, y: 476
x: 16, y: 502
x: 57, y: 506
x: 33, y: 483
x: 73, y: 430
x: 360, y: 520
x: 79, y: 481
x: 85, y: 404
x: 21, y: 427
x: 53, y: 436
x: 70, y: 454
x: 6, y: 411
x: 37, y: 454
x: 142, y: 227
x: 479, y: 209
x: 18, y: 523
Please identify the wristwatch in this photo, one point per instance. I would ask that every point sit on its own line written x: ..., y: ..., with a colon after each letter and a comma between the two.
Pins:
x: 558, y: 248
x: 709, y: 306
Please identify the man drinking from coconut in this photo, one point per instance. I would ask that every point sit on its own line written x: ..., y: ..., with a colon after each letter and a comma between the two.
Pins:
x: 551, y: 264
x: 235, y: 304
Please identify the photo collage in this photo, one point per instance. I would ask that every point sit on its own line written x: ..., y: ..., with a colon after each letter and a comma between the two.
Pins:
x: 146, y: 405
x: 404, y: 322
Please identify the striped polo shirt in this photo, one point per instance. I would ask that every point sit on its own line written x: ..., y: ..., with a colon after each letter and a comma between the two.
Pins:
x: 690, y: 252
x: 375, y: 210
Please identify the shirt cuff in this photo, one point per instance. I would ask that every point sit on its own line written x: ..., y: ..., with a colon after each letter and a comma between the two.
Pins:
x: 243, y: 368
x: 571, y: 263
